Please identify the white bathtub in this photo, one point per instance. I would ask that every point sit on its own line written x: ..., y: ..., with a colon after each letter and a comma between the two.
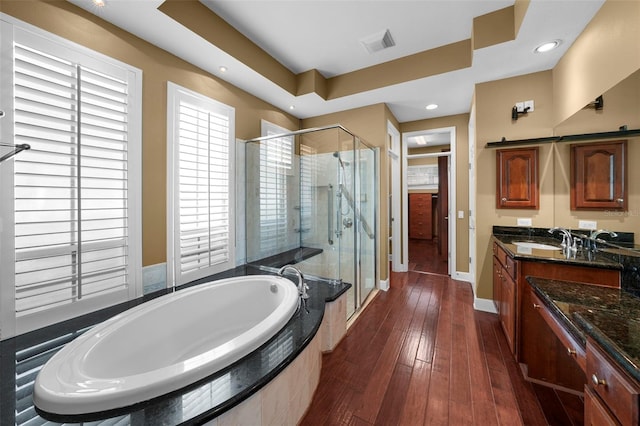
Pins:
x: 164, y: 344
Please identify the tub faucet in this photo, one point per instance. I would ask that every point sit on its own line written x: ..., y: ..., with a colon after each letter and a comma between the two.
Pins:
x: 302, y: 286
x: 567, y: 239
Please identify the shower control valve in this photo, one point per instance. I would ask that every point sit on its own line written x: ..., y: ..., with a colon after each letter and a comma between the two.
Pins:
x: 347, y: 222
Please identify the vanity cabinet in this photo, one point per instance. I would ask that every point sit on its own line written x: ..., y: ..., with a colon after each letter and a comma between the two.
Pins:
x: 614, y: 395
x: 599, y: 176
x: 504, y: 283
x: 550, y: 352
x: 517, y: 178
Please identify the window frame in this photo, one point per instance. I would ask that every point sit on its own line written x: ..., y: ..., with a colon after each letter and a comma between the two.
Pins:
x: 174, y: 94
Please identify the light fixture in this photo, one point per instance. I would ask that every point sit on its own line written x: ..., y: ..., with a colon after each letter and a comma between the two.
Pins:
x: 431, y: 107
x: 545, y: 47
x: 222, y: 68
x: 98, y: 3
x: 291, y: 107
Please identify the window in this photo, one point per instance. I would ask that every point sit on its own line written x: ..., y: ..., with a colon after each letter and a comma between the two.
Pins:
x: 276, y: 191
x: 201, y: 153
x: 73, y: 243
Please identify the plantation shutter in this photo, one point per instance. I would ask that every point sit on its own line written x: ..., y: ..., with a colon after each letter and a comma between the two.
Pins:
x: 203, y: 218
x: 276, y: 161
x: 70, y: 196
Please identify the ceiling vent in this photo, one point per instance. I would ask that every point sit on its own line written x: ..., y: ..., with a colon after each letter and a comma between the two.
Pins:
x: 378, y: 41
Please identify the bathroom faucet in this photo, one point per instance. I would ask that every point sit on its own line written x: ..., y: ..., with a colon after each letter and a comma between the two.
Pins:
x: 567, y: 239
x: 595, y: 234
x: 302, y: 286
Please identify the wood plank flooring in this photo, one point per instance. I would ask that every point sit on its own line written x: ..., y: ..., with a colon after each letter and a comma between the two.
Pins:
x: 423, y: 257
x: 420, y: 354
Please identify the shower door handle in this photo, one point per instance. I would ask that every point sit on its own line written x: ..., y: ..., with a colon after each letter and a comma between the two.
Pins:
x: 330, y: 214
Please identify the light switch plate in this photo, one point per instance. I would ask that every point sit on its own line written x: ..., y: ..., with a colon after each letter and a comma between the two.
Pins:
x: 524, y: 221
x: 460, y: 214
x: 588, y: 224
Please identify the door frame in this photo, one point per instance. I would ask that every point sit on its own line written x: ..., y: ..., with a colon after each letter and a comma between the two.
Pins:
x: 451, y: 256
x: 398, y: 262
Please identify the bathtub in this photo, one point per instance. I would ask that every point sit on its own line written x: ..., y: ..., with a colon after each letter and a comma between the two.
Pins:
x: 164, y: 344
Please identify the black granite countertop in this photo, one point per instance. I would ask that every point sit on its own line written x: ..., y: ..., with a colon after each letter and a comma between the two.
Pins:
x: 610, y: 316
x: 597, y: 259
x: 21, y: 358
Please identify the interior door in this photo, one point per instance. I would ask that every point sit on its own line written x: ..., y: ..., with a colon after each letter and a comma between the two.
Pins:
x: 443, y: 207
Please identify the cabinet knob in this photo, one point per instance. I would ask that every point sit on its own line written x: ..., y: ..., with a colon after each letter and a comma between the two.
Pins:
x: 536, y: 306
x: 571, y: 352
x: 503, y: 199
x: 620, y: 200
x: 596, y: 381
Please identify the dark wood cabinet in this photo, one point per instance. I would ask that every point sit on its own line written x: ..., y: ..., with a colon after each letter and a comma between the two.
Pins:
x: 505, y: 288
x: 550, y: 353
x: 517, y: 178
x: 612, y: 387
x: 599, y: 176
x: 595, y: 413
x: 420, y: 216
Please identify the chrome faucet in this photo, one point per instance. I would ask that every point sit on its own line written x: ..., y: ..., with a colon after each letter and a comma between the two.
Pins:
x: 302, y: 286
x: 567, y: 239
x: 595, y: 234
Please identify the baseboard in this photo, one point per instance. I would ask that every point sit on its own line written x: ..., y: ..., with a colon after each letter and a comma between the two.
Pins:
x: 485, y: 305
x: 463, y: 276
x: 384, y: 285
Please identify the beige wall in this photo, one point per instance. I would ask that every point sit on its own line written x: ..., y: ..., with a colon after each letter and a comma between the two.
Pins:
x: 158, y: 66
x: 587, y: 70
x: 461, y: 123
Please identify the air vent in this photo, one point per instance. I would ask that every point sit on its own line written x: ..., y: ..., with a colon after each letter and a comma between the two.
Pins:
x: 378, y: 41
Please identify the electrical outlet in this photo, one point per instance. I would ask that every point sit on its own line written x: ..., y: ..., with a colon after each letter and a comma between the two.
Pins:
x: 520, y: 106
x: 524, y: 221
x: 588, y: 224
x: 528, y: 104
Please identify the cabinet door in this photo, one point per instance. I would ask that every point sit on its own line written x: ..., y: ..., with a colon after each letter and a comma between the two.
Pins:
x: 595, y: 413
x: 599, y: 176
x: 497, y: 283
x: 508, y: 308
x: 517, y: 178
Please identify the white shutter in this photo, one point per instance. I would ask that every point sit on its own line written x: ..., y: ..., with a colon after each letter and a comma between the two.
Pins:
x: 71, y: 187
x: 276, y: 167
x: 203, y: 154
x: 70, y: 209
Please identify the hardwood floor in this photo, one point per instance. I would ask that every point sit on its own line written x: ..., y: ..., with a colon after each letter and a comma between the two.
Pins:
x: 424, y: 257
x: 420, y: 354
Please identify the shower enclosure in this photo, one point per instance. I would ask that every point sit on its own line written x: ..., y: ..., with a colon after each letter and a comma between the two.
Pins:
x: 311, y: 200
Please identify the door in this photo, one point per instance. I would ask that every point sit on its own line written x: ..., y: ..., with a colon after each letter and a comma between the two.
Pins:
x: 443, y: 207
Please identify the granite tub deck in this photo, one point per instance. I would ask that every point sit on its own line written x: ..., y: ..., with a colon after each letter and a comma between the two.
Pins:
x: 610, y: 316
x: 21, y: 357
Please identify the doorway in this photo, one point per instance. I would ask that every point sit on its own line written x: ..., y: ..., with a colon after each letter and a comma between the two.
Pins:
x: 429, y: 234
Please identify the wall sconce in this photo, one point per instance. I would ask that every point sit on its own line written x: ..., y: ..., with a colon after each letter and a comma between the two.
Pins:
x: 598, y: 104
x: 515, y: 113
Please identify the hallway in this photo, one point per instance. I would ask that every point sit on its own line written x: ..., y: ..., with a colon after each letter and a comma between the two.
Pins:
x: 424, y: 257
x: 420, y: 354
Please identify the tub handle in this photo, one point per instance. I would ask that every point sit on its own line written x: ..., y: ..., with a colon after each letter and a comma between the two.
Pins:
x: 330, y: 214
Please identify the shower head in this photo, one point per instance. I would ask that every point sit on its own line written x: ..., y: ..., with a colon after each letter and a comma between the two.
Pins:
x: 342, y: 163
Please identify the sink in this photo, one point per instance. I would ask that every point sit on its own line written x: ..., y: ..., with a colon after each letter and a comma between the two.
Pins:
x: 539, y: 246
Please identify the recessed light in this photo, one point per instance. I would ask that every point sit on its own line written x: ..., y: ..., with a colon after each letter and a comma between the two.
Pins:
x: 222, y: 68
x: 292, y: 107
x: 98, y: 3
x: 545, y: 47
x: 431, y: 106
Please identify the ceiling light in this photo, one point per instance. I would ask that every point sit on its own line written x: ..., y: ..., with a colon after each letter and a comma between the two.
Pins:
x: 222, y: 68
x: 98, y: 3
x: 431, y: 107
x: 291, y: 107
x: 545, y: 47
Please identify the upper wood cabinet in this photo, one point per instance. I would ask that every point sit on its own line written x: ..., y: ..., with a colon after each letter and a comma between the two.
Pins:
x: 599, y: 176
x: 517, y: 178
